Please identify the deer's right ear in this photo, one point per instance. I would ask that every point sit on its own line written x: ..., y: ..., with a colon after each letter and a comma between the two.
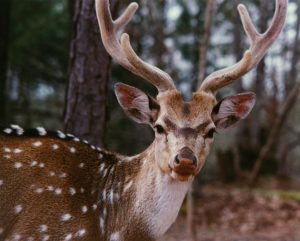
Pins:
x: 136, y: 104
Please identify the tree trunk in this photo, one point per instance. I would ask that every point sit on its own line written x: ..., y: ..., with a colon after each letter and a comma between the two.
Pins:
x: 291, y: 80
x: 4, y: 30
x: 275, y: 131
x: 89, y: 74
x: 205, y: 41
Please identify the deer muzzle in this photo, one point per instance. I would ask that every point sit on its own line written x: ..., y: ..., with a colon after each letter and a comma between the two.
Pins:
x: 185, y: 163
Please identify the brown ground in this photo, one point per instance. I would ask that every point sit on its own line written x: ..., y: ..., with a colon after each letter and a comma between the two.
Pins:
x: 228, y: 213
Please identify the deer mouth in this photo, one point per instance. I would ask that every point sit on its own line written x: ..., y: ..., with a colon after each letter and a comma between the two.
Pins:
x: 185, y: 170
x: 182, y: 173
x: 181, y: 177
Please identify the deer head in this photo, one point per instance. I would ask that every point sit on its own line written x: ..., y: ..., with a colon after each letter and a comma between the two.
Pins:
x: 184, y: 130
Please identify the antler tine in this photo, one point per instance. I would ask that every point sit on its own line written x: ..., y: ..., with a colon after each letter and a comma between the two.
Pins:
x: 149, y: 71
x: 122, y: 52
x: 260, y: 43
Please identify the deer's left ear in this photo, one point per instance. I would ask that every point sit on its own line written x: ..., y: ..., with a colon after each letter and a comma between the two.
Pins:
x: 231, y: 110
x: 136, y: 104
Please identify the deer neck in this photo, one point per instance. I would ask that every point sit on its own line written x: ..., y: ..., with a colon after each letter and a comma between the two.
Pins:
x: 158, y: 196
x: 134, y: 192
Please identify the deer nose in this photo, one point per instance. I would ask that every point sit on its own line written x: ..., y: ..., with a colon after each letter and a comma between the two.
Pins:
x: 185, y: 158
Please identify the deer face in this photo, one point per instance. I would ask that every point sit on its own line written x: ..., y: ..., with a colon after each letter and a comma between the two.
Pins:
x: 184, y: 131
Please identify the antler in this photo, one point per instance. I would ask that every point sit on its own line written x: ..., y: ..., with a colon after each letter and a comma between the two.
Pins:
x: 122, y: 51
x: 260, y: 43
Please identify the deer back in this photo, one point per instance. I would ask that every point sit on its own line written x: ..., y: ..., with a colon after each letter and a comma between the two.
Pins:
x: 55, y: 187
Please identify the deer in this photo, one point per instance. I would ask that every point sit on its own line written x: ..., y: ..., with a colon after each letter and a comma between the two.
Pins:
x: 55, y: 186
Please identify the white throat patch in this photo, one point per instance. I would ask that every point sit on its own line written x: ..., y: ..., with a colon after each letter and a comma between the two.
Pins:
x: 165, y: 204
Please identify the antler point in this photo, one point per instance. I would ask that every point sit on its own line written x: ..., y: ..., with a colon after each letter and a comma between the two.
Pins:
x: 134, y: 5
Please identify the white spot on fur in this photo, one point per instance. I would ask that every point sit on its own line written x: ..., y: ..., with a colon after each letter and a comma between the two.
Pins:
x: 115, y: 237
x: 100, y: 156
x: 18, y: 129
x: 84, y: 209
x: 128, y: 186
x: 39, y: 190
x: 17, y: 151
x: 58, y: 191
x: 16, y: 237
x: 18, y: 165
x: 51, y: 174
x: 43, y: 228
x: 85, y: 142
x: 6, y: 149
x: 37, y: 144
x: 61, y: 135
x: 82, y: 190
x: 81, y: 165
x: 1, y: 182
x: 46, y: 237
x: 55, y: 147
x: 18, y: 209
x: 76, y: 139
x: 66, y: 217
x: 102, y: 224
x: 68, y: 237
x: 33, y: 163
x: 30, y: 239
x: 41, y: 165
x: 111, y: 196
x: 116, y: 197
x: 104, y: 195
x: 50, y: 188
x: 72, y: 191
x: 72, y: 150
x: 93, y: 147
x: 1, y: 231
x: 94, y: 207
x: 80, y: 233
x: 63, y: 175
x: 104, y: 212
x: 41, y: 131
x: 7, y: 156
x: 101, y: 167
x: 7, y: 131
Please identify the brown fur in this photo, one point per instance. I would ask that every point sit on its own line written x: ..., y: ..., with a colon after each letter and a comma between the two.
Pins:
x: 22, y: 186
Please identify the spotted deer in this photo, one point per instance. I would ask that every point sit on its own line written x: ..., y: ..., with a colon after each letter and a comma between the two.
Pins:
x: 54, y: 186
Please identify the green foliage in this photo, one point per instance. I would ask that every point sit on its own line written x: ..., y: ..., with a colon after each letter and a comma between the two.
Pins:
x: 38, y: 61
x: 39, y: 40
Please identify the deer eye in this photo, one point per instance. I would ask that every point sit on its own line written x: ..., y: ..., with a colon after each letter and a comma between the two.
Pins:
x: 159, y: 129
x: 210, y: 133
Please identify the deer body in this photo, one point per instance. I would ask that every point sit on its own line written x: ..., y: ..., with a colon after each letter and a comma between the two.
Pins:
x: 55, y: 187
x: 59, y: 188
